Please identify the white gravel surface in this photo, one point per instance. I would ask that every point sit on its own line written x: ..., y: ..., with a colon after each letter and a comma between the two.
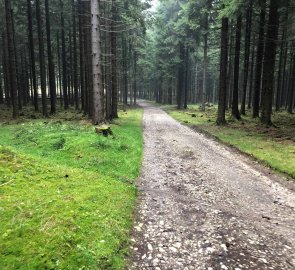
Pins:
x: 204, y: 206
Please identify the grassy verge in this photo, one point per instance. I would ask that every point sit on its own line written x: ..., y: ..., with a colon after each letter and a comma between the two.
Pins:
x: 273, y: 146
x: 67, y: 194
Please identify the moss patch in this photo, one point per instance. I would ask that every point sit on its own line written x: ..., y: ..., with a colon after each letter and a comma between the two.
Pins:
x: 67, y: 194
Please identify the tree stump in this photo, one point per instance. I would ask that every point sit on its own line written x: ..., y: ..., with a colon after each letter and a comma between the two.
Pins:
x: 104, y: 130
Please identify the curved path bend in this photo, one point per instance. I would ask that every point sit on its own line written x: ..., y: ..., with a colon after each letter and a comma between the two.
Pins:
x: 205, y: 206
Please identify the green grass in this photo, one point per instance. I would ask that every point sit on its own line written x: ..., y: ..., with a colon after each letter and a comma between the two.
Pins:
x: 67, y: 195
x: 273, y: 146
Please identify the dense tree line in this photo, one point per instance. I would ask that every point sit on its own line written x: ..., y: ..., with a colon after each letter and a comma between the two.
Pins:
x: 92, y: 54
x: 239, y: 54
x: 70, y: 53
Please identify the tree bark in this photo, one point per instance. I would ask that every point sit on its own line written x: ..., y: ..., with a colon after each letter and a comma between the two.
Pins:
x: 107, y: 60
x: 70, y: 70
x: 259, y: 59
x: 280, y: 71
x: 292, y: 86
x: 1, y: 89
x: 82, y: 53
x: 223, y: 73
x: 235, y: 102
x: 269, y: 63
x: 251, y: 76
x: 186, y: 78
x: 75, y: 56
x: 180, y: 77
x: 98, y: 113
x: 125, y: 75
x: 18, y: 73
x: 11, y: 59
x: 205, y: 61
x: 284, y: 75
x: 230, y: 68
x: 64, y: 59
x: 41, y: 58
x: 247, y: 56
x: 135, y: 77
x: 5, y: 67
x: 282, y: 64
x: 196, y: 89
x: 114, y: 62
x: 59, y: 68
x: 51, y: 68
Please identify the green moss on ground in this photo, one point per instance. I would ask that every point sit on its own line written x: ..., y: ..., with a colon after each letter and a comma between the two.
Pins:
x: 67, y: 194
x: 274, y: 146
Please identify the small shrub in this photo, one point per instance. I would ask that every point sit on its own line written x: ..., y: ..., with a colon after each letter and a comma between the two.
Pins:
x: 58, y: 145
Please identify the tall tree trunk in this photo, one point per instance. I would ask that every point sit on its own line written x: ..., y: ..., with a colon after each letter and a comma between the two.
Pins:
x: 135, y: 77
x: 251, y: 76
x: 292, y: 86
x: 41, y: 58
x: 106, y: 68
x: 82, y: 53
x: 282, y: 64
x: 280, y: 71
x: 186, y: 78
x: 129, y: 68
x: 247, y: 56
x: 70, y: 69
x: 230, y: 69
x: 196, y: 90
x: 114, y: 62
x: 223, y: 72
x: 11, y: 59
x: 75, y: 56
x: 125, y: 78
x: 59, y: 69
x: 98, y: 113
x: 27, y: 79
x: 89, y: 59
x: 180, y: 76
x: 288, y: 79
x: 18, y: 74
x: 170, y: 93
x: 284, y: 75
x: 64, y: 58
x: 269, y: 63
x: 22, y: 94
x: 235, y: 102
x: 1, y: 89
x: 5, y: 66
x: 51, y: 68
x: 259, y: 59
x: 32, y: 54
x: 205, y: 60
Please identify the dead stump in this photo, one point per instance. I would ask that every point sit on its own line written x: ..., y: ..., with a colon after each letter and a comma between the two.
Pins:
x: 104, y: 130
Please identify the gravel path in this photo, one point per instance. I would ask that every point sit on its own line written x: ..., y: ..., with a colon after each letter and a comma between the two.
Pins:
x: 204, y: 206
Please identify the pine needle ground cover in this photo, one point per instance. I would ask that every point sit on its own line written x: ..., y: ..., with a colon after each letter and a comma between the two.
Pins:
x: 274, y: 146
x: 67, y: 194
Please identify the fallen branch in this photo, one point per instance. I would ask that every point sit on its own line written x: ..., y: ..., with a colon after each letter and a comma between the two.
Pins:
x: 6, y: 183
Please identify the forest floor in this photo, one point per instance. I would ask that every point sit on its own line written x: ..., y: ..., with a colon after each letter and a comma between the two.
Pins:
x: 273, y: 146
x: 205, y: 206
x: 67, y: 194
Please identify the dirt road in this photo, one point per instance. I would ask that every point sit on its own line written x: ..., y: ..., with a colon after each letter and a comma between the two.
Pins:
x: 204, y: 206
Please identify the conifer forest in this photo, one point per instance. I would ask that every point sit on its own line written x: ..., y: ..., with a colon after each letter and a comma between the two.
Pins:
x: 147, y: 134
